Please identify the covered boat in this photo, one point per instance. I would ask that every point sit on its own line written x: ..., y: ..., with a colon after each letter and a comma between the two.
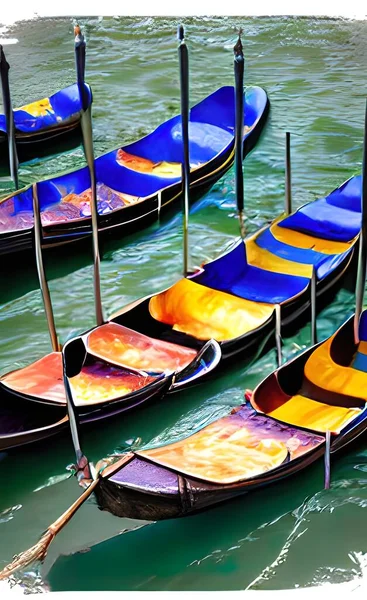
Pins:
x: 138, y: 181
x: 42, y: 125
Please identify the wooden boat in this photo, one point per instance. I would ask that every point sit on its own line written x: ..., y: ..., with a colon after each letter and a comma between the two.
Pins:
x: 238, y: 300
x: 139, y: 181
x: 42, y: 125
x: 314, y: 405
x: 36, y: 129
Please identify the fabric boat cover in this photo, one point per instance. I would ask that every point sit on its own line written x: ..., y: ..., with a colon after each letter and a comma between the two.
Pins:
x: 59, y: 108
x: 127, y: 348
x: 234, y: 448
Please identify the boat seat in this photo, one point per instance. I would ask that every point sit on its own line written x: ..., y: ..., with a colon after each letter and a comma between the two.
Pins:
x: 302, y: 240
x: 311, y: 414
x: 205, y: 313
x: 324, y: 220
x: 231, y: 273
x: 302, y: 259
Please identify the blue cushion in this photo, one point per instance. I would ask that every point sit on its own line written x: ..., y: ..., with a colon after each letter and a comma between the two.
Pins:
x: 363, y: 326
x: 231, y: 273
x: 360, y: 362
x: 348, y: 195
x: 325, y: 221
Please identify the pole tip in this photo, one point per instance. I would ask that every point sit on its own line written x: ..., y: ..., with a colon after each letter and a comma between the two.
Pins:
x: 238, y: 48
x: 79, y: 37
x: 180, y: 33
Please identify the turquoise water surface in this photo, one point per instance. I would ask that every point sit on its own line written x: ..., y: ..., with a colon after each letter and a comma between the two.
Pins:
x: 294, y: 533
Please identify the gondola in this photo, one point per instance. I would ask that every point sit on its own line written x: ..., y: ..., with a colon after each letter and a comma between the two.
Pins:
x: 253, y: 291
x: 138, y: 182
x: 41, y: 127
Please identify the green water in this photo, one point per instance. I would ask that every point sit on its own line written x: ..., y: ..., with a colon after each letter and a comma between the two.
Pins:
x: 293, y: 533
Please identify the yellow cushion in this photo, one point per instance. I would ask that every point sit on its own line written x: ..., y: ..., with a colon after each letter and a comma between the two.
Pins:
x: 205, y: 313
x: 38, y: 108
x: 303, y: 412
x: 301, y: 240
x: 263, y: 259
x: 321, y: 370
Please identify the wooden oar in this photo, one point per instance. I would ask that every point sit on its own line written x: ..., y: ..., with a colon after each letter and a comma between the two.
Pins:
x: 239, y: 64
x: 39, y: 550
x: 9, y: 118
x: 361, y: 269
x: 87, y: 132
x: 183, y: 58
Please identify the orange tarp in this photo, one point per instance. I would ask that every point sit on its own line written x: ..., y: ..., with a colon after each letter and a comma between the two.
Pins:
x: 144, y: 165
x: 125, y: 347
x: 42, y: 379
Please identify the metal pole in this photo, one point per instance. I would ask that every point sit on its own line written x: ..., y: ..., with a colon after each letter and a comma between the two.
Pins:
x: 239, y: 64
x: 288, y: 173
x: 184, y: 92
x: 41, y: 271
x: 313, y: 308
x: 87, y: 132
x: 9, y: 118
x: 362, y: 258
x: 278, y: 336
x: 327, y: 460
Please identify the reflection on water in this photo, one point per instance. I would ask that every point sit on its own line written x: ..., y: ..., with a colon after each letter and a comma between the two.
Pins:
x: 293, y: 533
